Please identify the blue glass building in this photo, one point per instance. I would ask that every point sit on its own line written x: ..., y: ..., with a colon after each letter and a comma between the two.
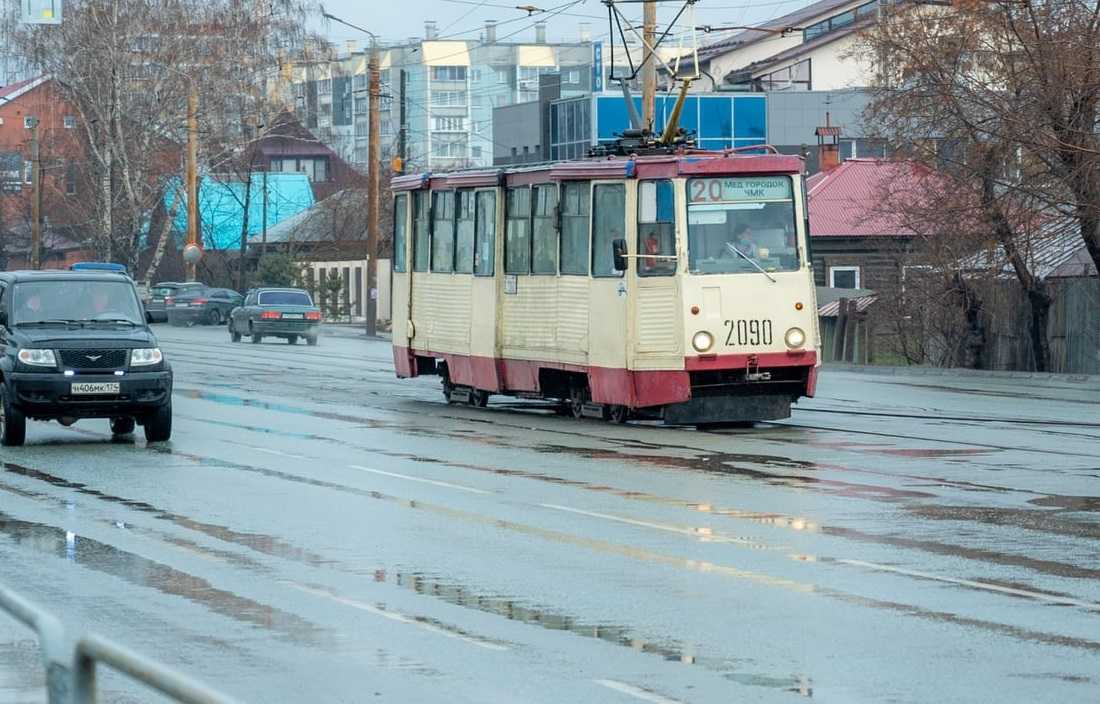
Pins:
x: 718, y: 120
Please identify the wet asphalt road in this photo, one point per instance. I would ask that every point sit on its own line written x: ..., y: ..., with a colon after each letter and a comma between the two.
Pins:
x: 318, y: 531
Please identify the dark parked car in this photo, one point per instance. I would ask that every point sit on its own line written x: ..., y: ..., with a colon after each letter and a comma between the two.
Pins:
x: 76, y: 345
x: 276, y: 312
x: 160, y: 295
x: 206, y: 306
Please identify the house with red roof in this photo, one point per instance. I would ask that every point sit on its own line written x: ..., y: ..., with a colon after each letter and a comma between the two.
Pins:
x: 24, y: 107
x: 857, y: 241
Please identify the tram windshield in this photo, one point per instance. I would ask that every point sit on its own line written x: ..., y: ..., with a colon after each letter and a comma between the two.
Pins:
x: 741, y: 224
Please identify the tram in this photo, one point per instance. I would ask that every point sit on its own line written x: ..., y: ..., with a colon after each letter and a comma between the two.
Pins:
x: 675, y: 286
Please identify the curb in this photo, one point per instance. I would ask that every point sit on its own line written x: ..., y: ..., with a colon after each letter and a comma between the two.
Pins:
x: 1087, y: 380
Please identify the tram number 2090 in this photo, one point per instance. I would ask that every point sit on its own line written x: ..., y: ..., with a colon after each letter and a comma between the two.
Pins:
x: 748, y: 332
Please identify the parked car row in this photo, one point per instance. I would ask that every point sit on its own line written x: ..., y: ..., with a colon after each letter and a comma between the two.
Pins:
x: 286, y: 313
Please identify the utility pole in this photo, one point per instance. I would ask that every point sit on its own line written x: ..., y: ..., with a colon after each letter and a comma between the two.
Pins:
x: 192, y: 174
x: 649, y: 65
x: 36, y: 199
x: 263, y: 225
x: 374, y: 152
x: 401, y: 133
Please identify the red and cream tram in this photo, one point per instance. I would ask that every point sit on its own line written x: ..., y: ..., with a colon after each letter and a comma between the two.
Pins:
x: 676, y: 287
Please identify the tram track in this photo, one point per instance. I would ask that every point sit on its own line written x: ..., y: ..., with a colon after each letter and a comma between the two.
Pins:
x: 964, y: 419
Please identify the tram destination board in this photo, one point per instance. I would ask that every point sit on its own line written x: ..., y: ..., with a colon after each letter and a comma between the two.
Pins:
x: 739, y: 189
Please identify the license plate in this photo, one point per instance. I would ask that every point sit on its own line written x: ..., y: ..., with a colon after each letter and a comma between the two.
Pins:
x: 110, y: 387
x: 293, y: 316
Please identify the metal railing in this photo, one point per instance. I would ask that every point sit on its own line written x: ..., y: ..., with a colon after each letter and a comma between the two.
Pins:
x: 71, y: 666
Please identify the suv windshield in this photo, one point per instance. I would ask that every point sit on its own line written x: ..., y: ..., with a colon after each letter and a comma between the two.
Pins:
x: 741, y: 225
x: 285, y: 298
x: 37, y: 301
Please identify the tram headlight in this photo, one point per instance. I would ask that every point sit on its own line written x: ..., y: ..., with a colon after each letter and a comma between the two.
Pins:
x: 702, y: 341
x: 795, y: 337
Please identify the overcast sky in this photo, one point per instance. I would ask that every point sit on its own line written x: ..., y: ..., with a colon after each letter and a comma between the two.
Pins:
x: 395, y: 20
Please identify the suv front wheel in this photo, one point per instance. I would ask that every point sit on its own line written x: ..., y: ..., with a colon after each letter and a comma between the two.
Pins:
x: 158, y: 425
x: 13, y: 424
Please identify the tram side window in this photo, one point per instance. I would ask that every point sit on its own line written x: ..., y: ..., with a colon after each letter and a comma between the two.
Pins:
x: 464, y: 233
x: 656, y: 228
x: 400, y: 211
x: 608, y: 225
x: 485, y: 234
x: 517, y: 232
x: 443, y: 231
x: 574, y: 228
x: 421, y: 238
x: 544, y: 247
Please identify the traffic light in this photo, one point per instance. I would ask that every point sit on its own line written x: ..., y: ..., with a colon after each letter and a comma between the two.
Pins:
x: 41, y: 11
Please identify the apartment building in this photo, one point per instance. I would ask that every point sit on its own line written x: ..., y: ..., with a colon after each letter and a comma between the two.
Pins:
x: 450, y: 89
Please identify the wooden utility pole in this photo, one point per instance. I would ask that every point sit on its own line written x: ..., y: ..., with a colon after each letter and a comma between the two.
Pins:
x: 374, y: 153
x: 263, y: 225
x: 649, y: 67
x: 192, y: 174
x: 36, y: 199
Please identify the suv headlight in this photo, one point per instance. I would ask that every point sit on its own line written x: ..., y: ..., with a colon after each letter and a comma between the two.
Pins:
x: 145, y: 357
x: 38, y: 358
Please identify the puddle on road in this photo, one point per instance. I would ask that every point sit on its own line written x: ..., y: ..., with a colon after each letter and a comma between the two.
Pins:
x: 1028, y: 519
x: 513, y: 609
x: 1069, y: 503
x: 107, y: 559
x: 259, y: 542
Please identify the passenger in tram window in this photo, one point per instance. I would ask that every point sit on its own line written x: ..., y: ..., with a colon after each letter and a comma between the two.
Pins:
x: 652, y: 246
x: 658, y: 245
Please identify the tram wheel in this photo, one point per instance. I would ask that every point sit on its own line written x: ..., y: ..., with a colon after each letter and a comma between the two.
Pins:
x: 616, y: 414
x: 479, y: 398
x: 576, y: 402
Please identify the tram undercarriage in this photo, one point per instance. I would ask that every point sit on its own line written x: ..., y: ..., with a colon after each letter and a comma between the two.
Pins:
x: 715, y: 396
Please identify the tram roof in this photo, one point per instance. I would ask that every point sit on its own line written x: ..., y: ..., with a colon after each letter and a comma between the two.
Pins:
x: 613, y: 167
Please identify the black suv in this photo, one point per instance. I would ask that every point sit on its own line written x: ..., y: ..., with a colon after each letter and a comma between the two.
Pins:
x: 76, y: 345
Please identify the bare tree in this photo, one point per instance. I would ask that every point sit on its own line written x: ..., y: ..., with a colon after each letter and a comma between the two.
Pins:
x: 127, y: 68
x: 957, y: 87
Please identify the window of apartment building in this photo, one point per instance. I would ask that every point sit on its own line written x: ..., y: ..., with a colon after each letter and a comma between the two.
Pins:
x: 572, y: 76
x: 386, y: 127
x: 502, y: 75
x: 384, y: 76
x: 28, y: 172
x: 361, y: 105
x: 69, y: 122
x: 324, y: 86
x: 448, y: 73
x: 28, y: 122
x: 475, y: 152
x: 359, y: 81
x: 796, y: 77
x: 844, y: 277
x: 475, y: 74
x: 445, y: 149
x: 449, y: 124
x: 448, y: 98
x: 300, y: 90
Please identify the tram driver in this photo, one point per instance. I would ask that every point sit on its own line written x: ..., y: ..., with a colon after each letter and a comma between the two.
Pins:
x: 742, y: 241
